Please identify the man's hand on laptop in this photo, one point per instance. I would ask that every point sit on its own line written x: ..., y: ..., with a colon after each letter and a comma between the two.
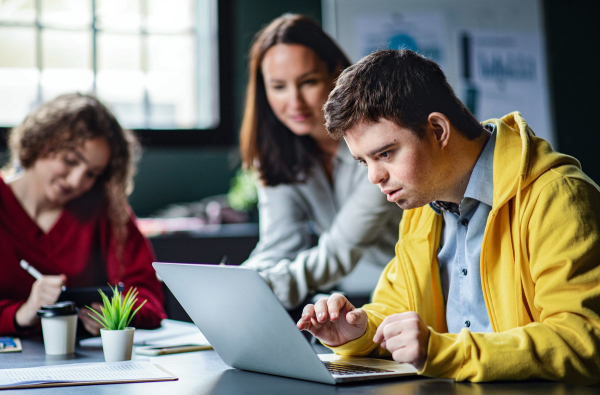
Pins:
x: 406, y: 337
x: 334, y: 320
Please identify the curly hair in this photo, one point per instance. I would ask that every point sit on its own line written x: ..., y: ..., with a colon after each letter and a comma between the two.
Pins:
x: 67, y: 122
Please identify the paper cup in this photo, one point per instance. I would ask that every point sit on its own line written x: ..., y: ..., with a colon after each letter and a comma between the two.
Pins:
x: 59, y: 334
x: 59, y: 327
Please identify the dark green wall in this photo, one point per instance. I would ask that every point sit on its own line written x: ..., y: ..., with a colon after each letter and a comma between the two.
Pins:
x: 573, y: 39
x: 167, y: 176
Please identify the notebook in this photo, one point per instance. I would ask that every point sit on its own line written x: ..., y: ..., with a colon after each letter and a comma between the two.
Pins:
x: 83, y: 374
x: 249, y: 328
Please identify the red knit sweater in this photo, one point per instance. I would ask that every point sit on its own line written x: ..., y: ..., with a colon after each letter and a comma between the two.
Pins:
x: 79, y: 245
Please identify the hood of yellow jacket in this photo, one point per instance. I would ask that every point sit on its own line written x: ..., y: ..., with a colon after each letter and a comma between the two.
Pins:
x: 515, y: 139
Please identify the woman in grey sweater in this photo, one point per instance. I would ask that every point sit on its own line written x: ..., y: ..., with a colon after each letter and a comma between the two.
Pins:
x: 309, y: 183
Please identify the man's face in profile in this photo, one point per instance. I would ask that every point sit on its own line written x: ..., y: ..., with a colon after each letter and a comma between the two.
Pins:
x: 404, y: 166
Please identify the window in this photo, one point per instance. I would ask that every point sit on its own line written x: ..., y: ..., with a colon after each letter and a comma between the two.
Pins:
x: 155, y: 63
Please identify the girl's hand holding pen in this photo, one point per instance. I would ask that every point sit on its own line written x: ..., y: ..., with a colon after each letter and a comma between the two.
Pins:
x: 33, y: 271
x: 45, y: 290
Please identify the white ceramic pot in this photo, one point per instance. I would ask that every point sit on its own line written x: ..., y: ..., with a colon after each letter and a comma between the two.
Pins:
x: 117, y: 345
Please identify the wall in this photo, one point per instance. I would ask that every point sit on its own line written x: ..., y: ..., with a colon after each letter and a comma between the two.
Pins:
x: 573, y: 40
x: 177, y: 175
x: 167, y: 176
x: 172, y: 175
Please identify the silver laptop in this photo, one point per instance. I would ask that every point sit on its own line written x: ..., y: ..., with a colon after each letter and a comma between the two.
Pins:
x: 249, y: 328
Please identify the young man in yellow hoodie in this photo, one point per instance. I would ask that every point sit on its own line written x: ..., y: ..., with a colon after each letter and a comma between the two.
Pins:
x: 497, y: 268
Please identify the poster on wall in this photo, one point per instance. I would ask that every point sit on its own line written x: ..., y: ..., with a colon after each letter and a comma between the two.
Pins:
x: 423, y: 32
x: 502, y: 72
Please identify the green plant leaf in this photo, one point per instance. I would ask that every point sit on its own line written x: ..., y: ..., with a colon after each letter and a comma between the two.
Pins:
x: 103, y: 323
x: 126, y: 312
x: 243, y: 194
x: 136, y: 310
x: 100, y: 317
x: 106, y: 312
x: 117, y: 311
x: 127, y: 305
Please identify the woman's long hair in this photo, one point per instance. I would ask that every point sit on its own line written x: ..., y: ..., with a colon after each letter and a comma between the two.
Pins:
x: 280, y: 156
x: 66, y: 123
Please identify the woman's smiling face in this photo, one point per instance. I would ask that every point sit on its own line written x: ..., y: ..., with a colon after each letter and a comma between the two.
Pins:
x: 65, y: 175
x: 297, y: 84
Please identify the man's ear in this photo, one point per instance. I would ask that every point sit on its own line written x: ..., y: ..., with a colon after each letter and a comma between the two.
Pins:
x: 440, y: 125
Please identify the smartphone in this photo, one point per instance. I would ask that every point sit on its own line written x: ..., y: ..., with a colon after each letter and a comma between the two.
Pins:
x: 87, y: 295
x: 162, y: 350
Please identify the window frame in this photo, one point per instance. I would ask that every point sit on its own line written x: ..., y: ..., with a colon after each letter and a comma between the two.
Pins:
x: 221, y: 135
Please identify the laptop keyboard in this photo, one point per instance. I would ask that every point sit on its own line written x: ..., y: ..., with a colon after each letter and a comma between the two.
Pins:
x: 347, y: 369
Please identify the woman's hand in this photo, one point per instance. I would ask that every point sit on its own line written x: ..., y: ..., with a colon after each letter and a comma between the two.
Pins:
x: 90, y: 324
x: 44, y: 291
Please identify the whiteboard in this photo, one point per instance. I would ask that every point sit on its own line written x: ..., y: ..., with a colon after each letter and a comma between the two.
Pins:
x: 493, y: 52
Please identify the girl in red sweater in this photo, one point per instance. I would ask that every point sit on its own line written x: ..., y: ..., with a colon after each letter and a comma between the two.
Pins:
x: 63, y: 209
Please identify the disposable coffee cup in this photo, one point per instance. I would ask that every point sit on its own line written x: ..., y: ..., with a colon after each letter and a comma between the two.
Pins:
x: 59, y: 327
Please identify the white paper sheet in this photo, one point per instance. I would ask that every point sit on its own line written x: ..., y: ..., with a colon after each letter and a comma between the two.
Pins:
x: 84, y: 372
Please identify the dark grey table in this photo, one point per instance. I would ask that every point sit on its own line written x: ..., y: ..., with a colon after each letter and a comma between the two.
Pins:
x: 203, y: 372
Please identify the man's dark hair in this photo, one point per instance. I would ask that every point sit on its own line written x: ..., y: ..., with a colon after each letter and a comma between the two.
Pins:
x: 400, y: 86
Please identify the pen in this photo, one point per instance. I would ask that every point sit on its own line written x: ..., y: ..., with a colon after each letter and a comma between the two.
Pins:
x: 33, y: 271
x: 224, y: 260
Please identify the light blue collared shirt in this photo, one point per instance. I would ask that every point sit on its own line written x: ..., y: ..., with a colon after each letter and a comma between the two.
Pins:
x: 460, y: 248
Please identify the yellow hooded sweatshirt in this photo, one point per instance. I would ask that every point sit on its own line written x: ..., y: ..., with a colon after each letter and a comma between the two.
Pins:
x: 540, y: 273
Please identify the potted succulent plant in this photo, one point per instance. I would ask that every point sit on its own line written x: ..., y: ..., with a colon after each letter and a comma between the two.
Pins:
x: 115, y: 316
